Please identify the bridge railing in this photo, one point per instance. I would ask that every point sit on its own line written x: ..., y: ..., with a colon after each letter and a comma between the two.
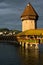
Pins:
x: 28, y: 40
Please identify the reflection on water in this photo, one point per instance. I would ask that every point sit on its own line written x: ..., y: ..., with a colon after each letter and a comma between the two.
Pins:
x: 13, y: 55
x: 30, y: 56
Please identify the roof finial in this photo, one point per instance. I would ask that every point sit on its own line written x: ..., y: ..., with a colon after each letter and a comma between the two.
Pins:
x: 28, y: 4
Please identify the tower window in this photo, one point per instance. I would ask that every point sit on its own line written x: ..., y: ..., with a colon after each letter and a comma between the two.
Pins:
x: 31, y: 21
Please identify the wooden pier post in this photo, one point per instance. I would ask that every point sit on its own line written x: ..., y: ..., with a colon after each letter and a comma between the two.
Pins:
x: 26, y: 45
x: 36, y: 46
x: 30, y: 45
x: 23, y: 44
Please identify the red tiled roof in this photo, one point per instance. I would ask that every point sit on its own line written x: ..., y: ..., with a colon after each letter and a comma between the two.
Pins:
x: 29, y: 11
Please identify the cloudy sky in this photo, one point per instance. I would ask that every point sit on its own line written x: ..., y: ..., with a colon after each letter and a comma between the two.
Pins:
x: 11, y: 10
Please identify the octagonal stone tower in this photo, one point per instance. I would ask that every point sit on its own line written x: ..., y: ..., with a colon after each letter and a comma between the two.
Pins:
x: 29, y: 18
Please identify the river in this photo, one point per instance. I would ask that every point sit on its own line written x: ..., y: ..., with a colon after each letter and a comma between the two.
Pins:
x: 15, y: 55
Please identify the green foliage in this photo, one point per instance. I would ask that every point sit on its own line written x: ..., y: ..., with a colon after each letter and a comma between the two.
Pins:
x: 32, y: 41
x: 7, y: 30
x: 41, y: 41
x: 16, y: 31
x: 4, y: 29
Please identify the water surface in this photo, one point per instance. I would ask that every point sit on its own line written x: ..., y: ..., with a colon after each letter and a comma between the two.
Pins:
x: 15, y: 55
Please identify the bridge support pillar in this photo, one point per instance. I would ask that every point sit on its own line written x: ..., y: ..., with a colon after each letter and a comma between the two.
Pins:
x: 36, y: 46
x: 23, y: 44
x: 26, y: 45
x: 30, y: 45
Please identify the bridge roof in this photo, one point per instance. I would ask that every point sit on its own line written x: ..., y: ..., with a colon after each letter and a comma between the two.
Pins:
x: 31, y: 32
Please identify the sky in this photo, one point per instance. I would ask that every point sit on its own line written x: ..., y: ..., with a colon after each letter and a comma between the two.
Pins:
x: 11, y: 10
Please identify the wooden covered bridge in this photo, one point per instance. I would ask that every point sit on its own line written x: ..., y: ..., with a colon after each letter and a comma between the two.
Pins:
x: 30, y: 37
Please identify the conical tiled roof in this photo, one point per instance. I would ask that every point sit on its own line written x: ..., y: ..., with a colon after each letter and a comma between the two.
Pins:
x: 29, y: 12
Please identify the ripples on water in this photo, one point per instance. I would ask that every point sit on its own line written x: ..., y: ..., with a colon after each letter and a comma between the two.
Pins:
x: 14, y: 55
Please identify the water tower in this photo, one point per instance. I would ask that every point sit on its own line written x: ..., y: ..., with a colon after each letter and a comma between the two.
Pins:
x: 29, y: 18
